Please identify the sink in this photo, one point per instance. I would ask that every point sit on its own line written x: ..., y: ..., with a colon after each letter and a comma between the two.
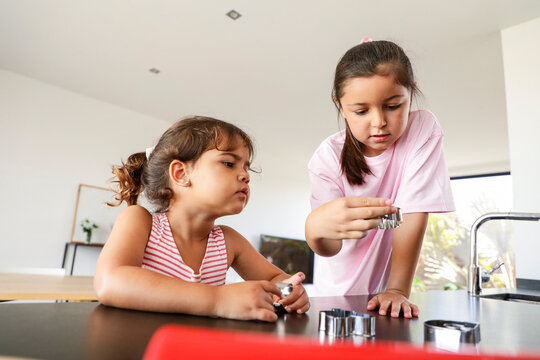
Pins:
x: 522, y: 298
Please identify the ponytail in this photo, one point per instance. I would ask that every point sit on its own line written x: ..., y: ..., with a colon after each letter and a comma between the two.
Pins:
x: 353, y: 162
x: 129, y: 179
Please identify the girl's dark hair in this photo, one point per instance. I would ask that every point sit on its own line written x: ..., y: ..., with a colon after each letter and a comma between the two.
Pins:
x: 186, y: 140
x: 364, y: 60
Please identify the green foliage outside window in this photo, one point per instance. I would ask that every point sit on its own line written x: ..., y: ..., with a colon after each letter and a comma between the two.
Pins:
x: 444, y: 258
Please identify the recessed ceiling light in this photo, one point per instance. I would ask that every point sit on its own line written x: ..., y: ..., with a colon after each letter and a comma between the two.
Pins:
x: 154, y: 71
x: 233, y: 14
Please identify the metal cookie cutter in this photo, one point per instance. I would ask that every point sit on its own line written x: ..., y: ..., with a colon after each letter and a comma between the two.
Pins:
x: 286, y: 289
x: 449, y: 335
x: 391, y: 221
x: 341, y: 323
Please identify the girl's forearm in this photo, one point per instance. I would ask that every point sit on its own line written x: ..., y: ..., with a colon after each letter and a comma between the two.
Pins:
x: 141, y: 289
x: 324, y: 247
x: 320, y: 245
x: 400, y: 281
x: 406, y: 246
x: 402, y: 270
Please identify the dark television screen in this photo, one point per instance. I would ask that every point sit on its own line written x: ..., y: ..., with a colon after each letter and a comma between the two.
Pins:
x: 290, y: 255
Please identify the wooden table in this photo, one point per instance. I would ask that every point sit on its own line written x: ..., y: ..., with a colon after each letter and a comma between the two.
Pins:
x: 46, y: 287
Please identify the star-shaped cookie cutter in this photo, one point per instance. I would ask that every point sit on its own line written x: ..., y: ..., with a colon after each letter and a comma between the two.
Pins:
x: 341, y: 323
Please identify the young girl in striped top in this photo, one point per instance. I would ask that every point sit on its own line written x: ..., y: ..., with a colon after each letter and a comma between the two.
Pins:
x: 175, y: 260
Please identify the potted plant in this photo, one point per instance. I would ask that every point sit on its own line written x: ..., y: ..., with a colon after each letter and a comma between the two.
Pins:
x: 87, y: 227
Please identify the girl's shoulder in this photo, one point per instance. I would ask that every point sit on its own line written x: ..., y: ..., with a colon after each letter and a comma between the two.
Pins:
x: 136, y: 215
x: 424, y: 120
x: 334, y: 141
x: 329, y: 151
x: 135, y: 211
x: 422, y: 126
x: 133, y: 225
x: 232, y: 238
x: 227, y: 232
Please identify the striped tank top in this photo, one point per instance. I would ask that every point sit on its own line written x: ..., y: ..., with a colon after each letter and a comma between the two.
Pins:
x: 161, y: 255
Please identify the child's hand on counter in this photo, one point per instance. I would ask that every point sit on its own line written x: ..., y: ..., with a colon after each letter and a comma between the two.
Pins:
x: 394, y: 301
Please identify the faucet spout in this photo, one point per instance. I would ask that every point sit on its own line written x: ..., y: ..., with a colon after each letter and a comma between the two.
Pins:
x: 474, y: 284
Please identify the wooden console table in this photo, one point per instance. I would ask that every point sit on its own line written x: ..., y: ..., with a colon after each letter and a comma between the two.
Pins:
x: 46, y: 287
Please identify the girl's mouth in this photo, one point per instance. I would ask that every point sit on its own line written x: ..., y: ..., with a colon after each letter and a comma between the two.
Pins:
x: 380, y: 138
x: 243, y: 192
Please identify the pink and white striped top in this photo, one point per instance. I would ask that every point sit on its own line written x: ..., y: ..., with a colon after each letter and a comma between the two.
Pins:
x: 161, y: 255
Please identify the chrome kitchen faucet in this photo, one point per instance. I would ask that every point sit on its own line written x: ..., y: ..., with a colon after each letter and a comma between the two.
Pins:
x: 474, y: 284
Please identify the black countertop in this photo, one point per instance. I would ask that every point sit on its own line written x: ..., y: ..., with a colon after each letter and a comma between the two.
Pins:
x: 94, y: 331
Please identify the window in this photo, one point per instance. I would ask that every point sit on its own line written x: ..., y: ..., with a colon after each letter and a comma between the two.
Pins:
x: 444, y: 258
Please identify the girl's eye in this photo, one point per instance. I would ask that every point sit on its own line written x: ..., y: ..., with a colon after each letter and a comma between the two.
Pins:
x: 228, y: 164
x: 393, y: 107
x: 360, y: 112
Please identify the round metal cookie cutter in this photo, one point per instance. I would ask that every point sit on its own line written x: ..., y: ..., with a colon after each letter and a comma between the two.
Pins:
x: 341, y: 323
x: 449, y: 335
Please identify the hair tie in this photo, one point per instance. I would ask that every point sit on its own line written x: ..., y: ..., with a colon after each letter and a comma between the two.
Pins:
x: 365, y: 40
x: 149, y: 151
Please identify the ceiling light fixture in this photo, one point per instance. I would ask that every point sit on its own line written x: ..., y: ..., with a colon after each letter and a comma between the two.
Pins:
x: 154, y: 71
x: 233, y: 14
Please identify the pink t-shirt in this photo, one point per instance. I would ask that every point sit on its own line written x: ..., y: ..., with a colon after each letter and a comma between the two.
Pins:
x: 412, y: 173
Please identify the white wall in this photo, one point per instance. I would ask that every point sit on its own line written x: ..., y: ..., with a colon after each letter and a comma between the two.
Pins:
x: 52, y: 140
x: 464, y: 86
x: 521, y: 53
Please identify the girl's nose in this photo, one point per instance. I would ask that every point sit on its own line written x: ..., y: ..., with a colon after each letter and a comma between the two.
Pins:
x: 378, y: 120
x: 244, y: 176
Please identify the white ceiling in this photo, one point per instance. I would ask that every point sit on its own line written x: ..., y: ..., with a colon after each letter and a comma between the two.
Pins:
x: 276, y: 54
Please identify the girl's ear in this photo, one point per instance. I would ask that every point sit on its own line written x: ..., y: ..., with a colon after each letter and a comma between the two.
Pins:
x: 338, y: 104
x: 336, y: 101
x: 178, y: 173
x: 342, y: 114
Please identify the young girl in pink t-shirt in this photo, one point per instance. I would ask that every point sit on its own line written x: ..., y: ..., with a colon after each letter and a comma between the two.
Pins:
x: 388, y: 156
x: 175, y: 260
